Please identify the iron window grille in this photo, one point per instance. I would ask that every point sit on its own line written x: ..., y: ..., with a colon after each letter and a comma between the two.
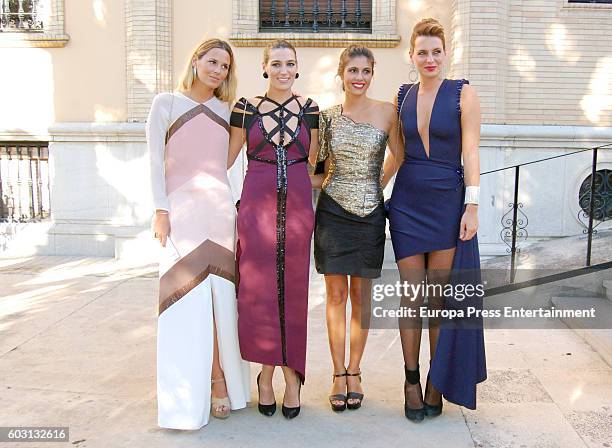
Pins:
x: 312, y: 16
x: 20, y: 16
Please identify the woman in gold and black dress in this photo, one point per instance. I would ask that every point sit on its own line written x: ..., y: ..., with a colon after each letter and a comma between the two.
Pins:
x: 350, y: 222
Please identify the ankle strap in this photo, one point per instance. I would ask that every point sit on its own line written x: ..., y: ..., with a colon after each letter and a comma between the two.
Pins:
x: 338, y: 375
x: 412, y: 376
x: 357, y: 374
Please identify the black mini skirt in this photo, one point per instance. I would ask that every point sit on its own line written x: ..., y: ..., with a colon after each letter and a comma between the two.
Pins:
x: 348, y: 244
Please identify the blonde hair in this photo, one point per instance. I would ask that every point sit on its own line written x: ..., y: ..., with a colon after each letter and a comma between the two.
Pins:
x: 427, y: 27
x: 227, y: 90
x: 280, y: 43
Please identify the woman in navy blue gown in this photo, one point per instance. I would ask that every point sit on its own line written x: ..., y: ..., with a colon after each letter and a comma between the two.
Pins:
x: 433, y: 217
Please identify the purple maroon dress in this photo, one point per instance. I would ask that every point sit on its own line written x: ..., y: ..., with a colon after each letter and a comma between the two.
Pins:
x: 275, y: 225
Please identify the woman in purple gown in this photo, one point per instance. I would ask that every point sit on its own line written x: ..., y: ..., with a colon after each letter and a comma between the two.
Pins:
x: 275, y: 225
x: 433, y: 218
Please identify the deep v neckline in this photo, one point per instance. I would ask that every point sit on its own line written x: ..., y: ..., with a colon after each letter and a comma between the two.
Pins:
x: 427, y: 151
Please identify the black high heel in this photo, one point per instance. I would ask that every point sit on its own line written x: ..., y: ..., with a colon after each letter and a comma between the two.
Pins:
x: 290, y: 413
x: 266, y: 409
x: 413, y: 377
x: 354, y: 395
x: 431, y: 410
x: 338, y: 397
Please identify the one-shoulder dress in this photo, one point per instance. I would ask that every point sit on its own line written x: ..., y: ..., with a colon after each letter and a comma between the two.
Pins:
x: 349, y: 237
x: 425, y: 212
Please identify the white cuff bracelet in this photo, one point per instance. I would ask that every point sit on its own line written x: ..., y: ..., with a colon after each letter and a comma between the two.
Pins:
x: 471, y: 194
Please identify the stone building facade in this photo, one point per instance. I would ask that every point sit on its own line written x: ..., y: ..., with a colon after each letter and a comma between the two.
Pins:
x: 84, y: 83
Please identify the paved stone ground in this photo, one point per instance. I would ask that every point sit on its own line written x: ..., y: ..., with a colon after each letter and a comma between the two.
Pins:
x: 77, y: 349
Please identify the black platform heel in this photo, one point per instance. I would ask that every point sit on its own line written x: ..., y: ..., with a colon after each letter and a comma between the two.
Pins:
x: 413, y: 377
x: 338, y: 397
x: 431, y: 410
x: 354, y: 395
x: 266, y: 409
x: 290, y: 413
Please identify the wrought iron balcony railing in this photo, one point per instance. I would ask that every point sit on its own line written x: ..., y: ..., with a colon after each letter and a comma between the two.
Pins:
x: 24, y: 181
x: 595, y: 203
x: 312, y: 16
x: 20, y: 16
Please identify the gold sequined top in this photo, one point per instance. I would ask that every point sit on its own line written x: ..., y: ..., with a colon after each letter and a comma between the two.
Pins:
x: 356, y: 152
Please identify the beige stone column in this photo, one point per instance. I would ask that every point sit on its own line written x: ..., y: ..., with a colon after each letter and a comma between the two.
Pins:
x: 479, y: 40
x: 148, y: 27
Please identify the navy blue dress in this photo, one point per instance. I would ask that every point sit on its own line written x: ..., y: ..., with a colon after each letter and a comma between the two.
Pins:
x: 424, y: 215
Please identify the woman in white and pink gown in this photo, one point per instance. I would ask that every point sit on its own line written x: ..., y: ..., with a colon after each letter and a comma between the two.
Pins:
x: 188, y: 137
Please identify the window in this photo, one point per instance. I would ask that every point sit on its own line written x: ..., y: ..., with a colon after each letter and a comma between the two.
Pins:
x: 32, y: 23
x: 315, y: 23
x: 602, y: 206
x: 20, y: 15
x: 315, y: 16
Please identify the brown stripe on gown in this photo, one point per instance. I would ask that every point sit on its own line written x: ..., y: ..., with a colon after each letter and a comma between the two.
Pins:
x: 191, y: 270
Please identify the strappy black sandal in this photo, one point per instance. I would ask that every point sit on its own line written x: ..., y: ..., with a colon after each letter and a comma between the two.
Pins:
x: 338, y: 397
x: 354, y: 395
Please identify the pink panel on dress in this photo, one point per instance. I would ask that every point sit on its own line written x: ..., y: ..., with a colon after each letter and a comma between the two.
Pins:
x: 187, y: 156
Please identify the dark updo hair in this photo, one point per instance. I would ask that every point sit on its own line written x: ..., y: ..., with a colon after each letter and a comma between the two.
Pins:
x: 280, y: 43
x: 354, y: 51
x: 427, y: 27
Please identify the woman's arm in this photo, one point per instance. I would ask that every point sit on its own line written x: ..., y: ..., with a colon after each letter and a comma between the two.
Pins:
x: 313, y: 117
x: 239, y: 119
x: 314, y: 147
x: 156, y: 129
x: 395, y: 156
x: 317, y: 179
x: 470, y: 141
x: 237, y: 139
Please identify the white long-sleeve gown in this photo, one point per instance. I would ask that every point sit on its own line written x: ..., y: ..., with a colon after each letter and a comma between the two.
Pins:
x: 188, y: 145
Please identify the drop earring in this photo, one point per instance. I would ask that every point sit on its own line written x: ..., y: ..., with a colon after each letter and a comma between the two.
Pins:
x: 265, y: 75
x: 413, y: 75
x: 194, y: 70
x: 297, y: 75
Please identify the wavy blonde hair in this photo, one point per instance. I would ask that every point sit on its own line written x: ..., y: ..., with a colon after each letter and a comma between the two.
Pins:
x: 227, y: 90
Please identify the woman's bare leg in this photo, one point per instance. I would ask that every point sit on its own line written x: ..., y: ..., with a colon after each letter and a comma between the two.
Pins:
x: 335, y: 313
x: 358, y: 331
x: 219, y: 389
x: 292, y: 388
x: 266, y: 391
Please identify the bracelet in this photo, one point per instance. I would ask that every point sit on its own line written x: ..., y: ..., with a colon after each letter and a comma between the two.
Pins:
x: 162, y: 212
x: 472, y: 193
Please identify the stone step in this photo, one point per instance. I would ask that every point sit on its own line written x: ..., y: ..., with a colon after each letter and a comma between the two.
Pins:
x: 600, y: 338
x: 23, y: 239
